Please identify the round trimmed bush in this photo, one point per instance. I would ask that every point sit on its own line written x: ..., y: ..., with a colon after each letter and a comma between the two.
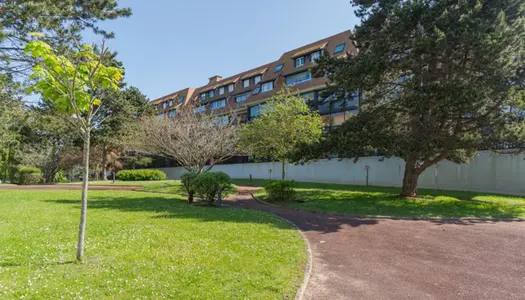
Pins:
x: 29, y: 176
x: 283, y: 190
x: 141, y: 175
x: 207, y: 185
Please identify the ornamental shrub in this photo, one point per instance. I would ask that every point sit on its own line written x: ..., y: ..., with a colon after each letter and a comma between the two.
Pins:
x: 281, y: 190
x: 207, y: 185
x: 141, y: 175
x: 28, y: 176
x: 60, y: 177
x: 188, y: 185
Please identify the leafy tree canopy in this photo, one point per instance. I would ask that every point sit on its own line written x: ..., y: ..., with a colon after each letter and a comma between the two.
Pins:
x: 286, y: 122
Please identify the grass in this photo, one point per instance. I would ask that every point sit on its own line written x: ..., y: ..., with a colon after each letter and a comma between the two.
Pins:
x: 382, y: 201
x: 143, y: 246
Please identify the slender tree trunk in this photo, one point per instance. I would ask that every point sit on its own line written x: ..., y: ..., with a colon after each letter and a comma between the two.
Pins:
x: 6, y: 166
x: 104, y: 164
x: 284, y: 170
x: 410, y: 179
x: 83, y: 209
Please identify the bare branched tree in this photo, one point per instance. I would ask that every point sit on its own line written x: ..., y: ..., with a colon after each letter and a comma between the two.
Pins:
x: 195, y: 140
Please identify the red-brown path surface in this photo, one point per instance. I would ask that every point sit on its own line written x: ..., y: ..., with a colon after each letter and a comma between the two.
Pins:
x: 372, y: 258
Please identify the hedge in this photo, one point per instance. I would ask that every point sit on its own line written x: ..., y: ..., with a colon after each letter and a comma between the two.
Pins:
x: 141, y: 175
x: 28, y: 176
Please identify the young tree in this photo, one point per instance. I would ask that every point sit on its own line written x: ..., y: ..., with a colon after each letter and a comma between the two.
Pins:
x: 286, y: 122
x: 440, y: 78
x: 192, y: 139
x: 73, y: 86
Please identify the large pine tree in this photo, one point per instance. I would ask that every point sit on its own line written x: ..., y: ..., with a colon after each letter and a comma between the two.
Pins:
x: 441, y: 78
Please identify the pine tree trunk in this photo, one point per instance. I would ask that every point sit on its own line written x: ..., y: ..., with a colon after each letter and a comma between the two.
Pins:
x: 284, y: 170
x: 410, y: 179
x: 83, y: 209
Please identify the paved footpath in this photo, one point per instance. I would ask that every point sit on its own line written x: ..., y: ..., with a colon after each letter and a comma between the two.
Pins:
x: 376, y: 258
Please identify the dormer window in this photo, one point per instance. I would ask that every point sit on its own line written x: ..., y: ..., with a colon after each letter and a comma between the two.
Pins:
x: 246, y: 83
x: 315, y: 56
x: 231, y: 87
x: 211, y: 93
x: 221, y: 90
x: 203, y: 96
x: 181, y: 98
x: 339, y: 48
x: 164, y: 105
x: 257, y: 90
x: 257, y: 79
x: 171, y: 103
x: 279, y: 68
x: 299, y: 62
x: 267, y: 86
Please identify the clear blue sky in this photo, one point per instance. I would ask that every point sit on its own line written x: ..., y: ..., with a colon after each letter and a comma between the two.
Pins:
x: 168, y: 45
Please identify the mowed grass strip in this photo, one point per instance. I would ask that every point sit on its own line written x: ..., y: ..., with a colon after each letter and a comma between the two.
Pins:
x: 143, y: 246
x: 383, y: 201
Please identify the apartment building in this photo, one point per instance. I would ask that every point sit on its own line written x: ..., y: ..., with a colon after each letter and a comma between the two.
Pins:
x: 245, y: 93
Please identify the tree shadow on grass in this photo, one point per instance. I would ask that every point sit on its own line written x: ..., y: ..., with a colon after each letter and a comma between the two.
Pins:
x: 165, y: 208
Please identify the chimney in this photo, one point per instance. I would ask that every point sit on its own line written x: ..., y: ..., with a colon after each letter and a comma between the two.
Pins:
x: 215, y: 79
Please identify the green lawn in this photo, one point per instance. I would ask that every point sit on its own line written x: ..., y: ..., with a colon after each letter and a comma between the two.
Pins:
x: 382, y: 201
x: 143, y: 246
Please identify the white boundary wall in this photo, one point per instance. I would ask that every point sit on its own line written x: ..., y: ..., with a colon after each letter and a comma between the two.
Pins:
x: 487, y: 172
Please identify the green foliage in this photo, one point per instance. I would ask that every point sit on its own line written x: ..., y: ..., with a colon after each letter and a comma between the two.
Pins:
x: 206, y: 185
x: 141, y: 175
x: 29, y: 175
x: 442, y: 79
x: 286, y: 122
x: 188, y: 184
x: 283, y: 190
x: 55, y: 21
x: 71, y: 84
x: 60, y: 177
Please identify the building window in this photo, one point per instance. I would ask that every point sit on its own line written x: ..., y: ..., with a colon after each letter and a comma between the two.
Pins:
x: 256, y: 111
x: 164, y: 105
x: 257, y: 90
x: 279, y: 68
x: 181, y: 98
x: 267, y: 86
x: 221, y: 90
x: 241, y: 98
x: 230, y: 88
x: 315, y: 56
x: 222, y: 120
x: 218, y: 104
x: 257, y: 79
x: 203, y: 96
x: 172, y: 114
x: 298, y: 78
x: 170, y: 104
x: 246, y: 83
x: 339, y: 48
x: 299, y: 62
x: 200, y: 109
x: 211, y: 93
